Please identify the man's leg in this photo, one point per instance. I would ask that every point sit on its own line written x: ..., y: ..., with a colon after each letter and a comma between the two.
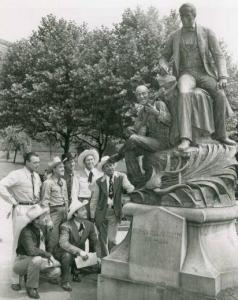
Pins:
x: 138, y: 145
x: 57, y: 217
x: 29, y: 266
x: 112, y: 229
x: 186, y: 84
x: 219, y: 103
x: 103, y: 237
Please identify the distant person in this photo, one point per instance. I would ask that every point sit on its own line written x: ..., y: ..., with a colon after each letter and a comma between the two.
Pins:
x: 32, y: 260
x: 106, y: 203
x: 73, y: 236
x: 54, y: 195
x: 85, y: 177
x: 21, y: 189
x: 69, y: 172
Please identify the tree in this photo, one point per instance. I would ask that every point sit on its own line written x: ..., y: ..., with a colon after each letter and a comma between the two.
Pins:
x: 37, y: 88
x: 14, y: 139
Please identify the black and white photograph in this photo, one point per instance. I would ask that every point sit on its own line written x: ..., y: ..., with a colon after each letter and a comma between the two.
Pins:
x: 119, y: 150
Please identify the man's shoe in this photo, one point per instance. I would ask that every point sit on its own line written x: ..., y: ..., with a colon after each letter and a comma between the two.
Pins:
x: 16, y: 287
x: 228, y: 142
x: 77, y: 277
x: 66, y: 286
x: 185, y: 144
x: 32, y: 293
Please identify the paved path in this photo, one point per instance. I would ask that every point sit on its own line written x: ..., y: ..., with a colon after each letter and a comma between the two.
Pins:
x: 85, y: 290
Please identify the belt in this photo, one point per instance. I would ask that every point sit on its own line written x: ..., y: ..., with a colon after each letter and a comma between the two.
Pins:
x: 60, y: 205
x: 84, y: 198
x: 110, y: 206
x: 27, y: 203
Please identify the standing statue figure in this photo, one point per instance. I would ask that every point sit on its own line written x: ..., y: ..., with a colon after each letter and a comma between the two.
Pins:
x: 191, y: 48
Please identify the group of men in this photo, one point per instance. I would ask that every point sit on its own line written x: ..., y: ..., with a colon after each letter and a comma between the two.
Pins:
x: 54, y: 217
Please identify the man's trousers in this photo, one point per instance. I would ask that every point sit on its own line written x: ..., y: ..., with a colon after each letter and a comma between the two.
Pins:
x: 33, y: 267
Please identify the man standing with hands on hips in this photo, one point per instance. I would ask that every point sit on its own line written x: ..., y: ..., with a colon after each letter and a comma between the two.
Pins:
x: 21, y: 189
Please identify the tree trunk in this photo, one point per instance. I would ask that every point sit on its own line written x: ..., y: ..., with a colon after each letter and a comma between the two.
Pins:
x: 15, y: 156
x: 66, y: 145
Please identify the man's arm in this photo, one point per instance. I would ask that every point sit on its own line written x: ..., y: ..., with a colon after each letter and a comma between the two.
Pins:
x: 46, y: 193
x: 64, y: 241
x: 217, y: 55
x: 7, y: 182
x: 164, y: 114
x: 75, y: 188
x: 29, y: 245
x: 165, y: 55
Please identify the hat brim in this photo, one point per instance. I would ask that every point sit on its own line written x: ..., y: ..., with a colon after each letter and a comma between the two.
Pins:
x: 78, y: 206
x: 86, y: 153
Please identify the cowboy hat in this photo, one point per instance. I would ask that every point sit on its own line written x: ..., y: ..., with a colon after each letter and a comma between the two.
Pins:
x: 103, y: 161
x: 68, y: 156
x: 55, y: 161
x: 35, y: 211
x: 76, y: 206
x: 86, y: 153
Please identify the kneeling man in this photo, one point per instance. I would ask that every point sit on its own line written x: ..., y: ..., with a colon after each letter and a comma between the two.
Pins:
x: 32, y: 260
x: 73, y: 236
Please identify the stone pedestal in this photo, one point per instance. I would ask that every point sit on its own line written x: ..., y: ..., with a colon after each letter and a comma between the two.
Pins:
x: 174, y: 254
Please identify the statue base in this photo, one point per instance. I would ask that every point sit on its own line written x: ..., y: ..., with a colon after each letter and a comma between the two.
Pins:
x: 174, y: 253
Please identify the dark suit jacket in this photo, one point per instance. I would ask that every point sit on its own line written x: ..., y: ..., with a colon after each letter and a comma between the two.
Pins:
x: 208, y: 45
x: 29, y: 242
x: 101, y: 209
x: 70, y: 240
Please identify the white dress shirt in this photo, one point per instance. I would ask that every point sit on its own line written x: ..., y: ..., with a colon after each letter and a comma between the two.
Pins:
x: 17, y: 187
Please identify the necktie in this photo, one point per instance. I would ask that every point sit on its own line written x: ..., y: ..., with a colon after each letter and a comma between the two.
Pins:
x: 42, y: 241
x: 90, y: 176
x: 110, y: 191
x: 80, y: 230
x: 33, y: 187
x: 60, y: 182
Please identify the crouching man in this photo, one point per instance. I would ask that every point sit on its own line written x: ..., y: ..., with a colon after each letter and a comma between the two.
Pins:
x: 32, y: 260
x: 73, y: 236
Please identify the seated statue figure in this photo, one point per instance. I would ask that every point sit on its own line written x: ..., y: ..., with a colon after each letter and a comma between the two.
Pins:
x: 192, y: 48
x: 148, y: 135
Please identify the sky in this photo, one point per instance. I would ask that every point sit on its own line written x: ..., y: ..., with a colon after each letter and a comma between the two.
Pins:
x: 19, y: 17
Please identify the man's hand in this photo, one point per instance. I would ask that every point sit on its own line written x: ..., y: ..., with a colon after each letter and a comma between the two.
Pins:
x: 222, y: 83
x: 83, y: 255
x: 150, y: 109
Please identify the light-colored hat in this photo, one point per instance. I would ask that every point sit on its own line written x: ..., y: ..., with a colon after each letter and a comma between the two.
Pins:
x: 55, y: 161
x: 103, y: 161
x: 75, y: 206
x: 35, y: 211
x: 86, y: 153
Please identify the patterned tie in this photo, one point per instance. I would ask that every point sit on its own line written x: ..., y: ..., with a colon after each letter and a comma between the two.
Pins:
x: 80, y: 230
x: 90, y: 177
x: 110, y: 194
x: 60, y: 182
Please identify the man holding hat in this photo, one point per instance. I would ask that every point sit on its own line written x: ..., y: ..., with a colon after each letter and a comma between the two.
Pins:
x: 69, y: 170
x: 21, y: 189
x: 85, y: 177
x: 73, y: 236
x: 54, y: 195
x: 106, y: 203
x: 32, y: 259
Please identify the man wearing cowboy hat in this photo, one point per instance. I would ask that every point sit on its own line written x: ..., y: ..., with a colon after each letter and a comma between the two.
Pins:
x: 149, y: 134
x: 69, y: 172
x: 73, y: 236
x: 86, y: 175
x: 32, y: 259
x: 21, y: 189
x: 106, y: 203
x: 54, y: 195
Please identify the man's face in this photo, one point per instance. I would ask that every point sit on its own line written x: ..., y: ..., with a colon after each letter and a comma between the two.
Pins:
x: 89, y: 162
x: 142, y: 95
x: 33, y: 164
x: 188, y: 19
x: 81, y: 214
x: 108, y: 169
x: 59, y: 170
x: 69, y: 165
